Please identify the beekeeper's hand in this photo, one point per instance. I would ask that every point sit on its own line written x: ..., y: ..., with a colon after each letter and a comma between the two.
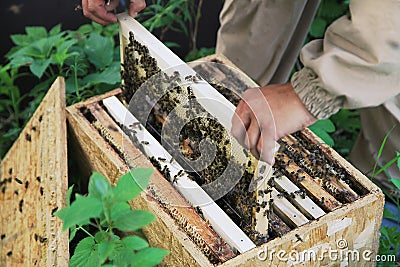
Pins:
x: 101, y: 11
x: 266, y: 114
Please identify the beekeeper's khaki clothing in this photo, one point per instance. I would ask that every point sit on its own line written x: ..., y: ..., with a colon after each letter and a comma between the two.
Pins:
x: 356, y: 65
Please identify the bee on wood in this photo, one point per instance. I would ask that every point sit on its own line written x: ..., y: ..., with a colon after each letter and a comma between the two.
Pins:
x: 298, y: 238
x: 20, y: 205
x: 262, y: 169
x: 301, y: 178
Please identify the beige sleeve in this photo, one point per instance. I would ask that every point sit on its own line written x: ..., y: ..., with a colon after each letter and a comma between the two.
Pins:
x: 357, y: 64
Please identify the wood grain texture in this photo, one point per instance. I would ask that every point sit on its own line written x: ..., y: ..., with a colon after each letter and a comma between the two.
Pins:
x: 36, y: 172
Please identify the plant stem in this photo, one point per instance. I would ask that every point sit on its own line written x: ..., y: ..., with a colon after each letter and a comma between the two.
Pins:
x: 196, y: 25
x: 83, y: 229
x: 76, y: 78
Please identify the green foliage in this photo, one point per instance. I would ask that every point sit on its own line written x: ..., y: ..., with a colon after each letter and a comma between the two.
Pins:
x: 180, y: 16
x: 88, y: 58
x: 328, y: 11
x: 322, y: 128
x: 105, y: 208
x: 171, y: 14
x: 199, y: 53
x: 348, y: 125
x: 390, y: 236
x: 389, y: 244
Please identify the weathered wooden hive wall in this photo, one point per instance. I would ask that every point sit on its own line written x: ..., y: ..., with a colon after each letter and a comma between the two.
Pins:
x: 33, y: 183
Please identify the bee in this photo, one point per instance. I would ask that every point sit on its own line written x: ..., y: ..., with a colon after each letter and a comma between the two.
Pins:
x: 145, y: 142
x: 21, y: 203
x: 301, y: 178
x: 262, y: 169
x: 298, y: 238
x: 18, y: 180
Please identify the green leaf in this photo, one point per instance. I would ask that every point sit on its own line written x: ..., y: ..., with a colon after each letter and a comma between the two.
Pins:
x: 171, y: 44
x: 69, y: 193
x: 80, y: 211
x: 135, y: 243
x: 72, y: 233
x: 85, y: 254
x: 321, y: 128
x: 118, y: 209
x: 396, y: 182
x: 398, y: 160
x: 105, y: 250
x: 98, y: 186
x: 111, y: 75
x: 99, y: 50
x: 20, y: 61
x: 387, y: 214
x: 387, y: 165
x: 36, y: 32
x: 39, y: 66
x: 101, y: 236
x: 20, y: 39
x: 380, y: 152
x: 132, y: 183
x: 317, y: 28
x: 84, y: 29
x: 327, y: 125
x: 148, y: 257
x: 55, y: 30
x: 133, y: 220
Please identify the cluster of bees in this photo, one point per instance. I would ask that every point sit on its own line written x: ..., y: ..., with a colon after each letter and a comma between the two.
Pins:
x: 189, y: 129
x: 191, y: 124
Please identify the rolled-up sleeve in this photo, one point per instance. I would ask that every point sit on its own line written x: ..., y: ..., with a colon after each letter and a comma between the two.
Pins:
x: 357, y: 64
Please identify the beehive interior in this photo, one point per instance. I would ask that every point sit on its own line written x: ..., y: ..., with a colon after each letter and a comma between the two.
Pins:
x: 314, y: 175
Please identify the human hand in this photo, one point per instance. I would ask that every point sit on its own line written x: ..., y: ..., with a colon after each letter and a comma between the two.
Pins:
x: 102, y: 12
x: 266, y: 114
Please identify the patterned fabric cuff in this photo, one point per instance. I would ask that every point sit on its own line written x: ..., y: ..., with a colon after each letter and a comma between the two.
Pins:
x: 319, y: 102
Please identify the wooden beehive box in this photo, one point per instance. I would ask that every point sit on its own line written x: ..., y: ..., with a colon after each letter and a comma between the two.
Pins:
x: 33, y: 183
x: 101, y: 145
